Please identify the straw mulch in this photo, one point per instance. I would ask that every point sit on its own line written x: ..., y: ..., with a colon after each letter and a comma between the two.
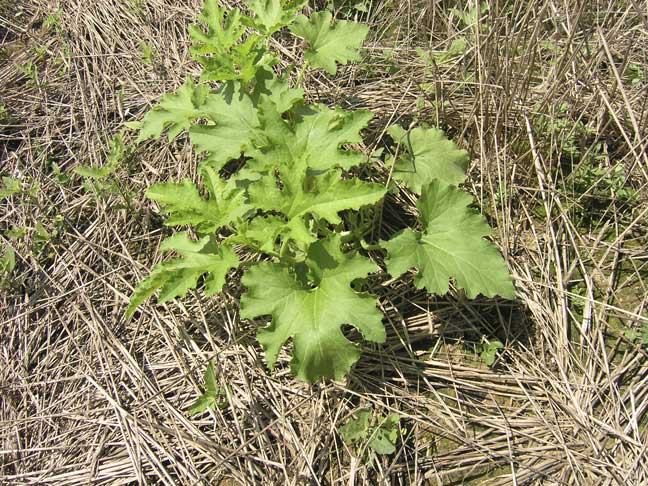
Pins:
x: 88, y: 397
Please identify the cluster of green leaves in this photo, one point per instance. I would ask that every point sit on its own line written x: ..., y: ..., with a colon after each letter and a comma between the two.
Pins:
x: 591, y: 179
x: 277, y: 181
x: 378, y: 433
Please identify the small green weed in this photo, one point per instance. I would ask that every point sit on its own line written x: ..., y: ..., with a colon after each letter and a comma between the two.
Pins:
x: 488, y: 351
x: 147, y: 53
x: 10, y: 187
x: 53, y: 21
x: 378, y: 433
x: 212, y: 395
x: 635, y: 75
x: 101, y: 180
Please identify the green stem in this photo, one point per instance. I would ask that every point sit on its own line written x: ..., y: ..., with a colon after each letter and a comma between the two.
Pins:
x: 300, y: 76
x: 368, y: 247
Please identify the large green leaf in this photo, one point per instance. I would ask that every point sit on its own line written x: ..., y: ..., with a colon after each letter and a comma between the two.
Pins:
x: 329, y: 45
x: 451, y: 245
x: 313, y: 316
x: 176, y: 277
x: 426, y: 154
x: 175, y: 112
x: 321, y: 131
x: 232, y: 128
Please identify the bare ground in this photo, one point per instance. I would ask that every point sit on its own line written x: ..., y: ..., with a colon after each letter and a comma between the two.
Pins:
x: 550, y: 97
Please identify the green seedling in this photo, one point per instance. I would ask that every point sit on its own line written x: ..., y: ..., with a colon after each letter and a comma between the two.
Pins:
x: 212, y: 395
x: 378, y: 433
x: 147, y: 53
x: 488, y: 351
x: 10, y: 187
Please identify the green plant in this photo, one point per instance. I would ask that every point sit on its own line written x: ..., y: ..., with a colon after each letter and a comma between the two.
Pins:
x: 471, y: 16
x: 10, y: 187
x: 147, y: 53
x: 100, y: 180
x: 378, y: 433
x: 279, y: 179
x: 213, y: 394
x: 29, y: 69
x: 488, y: 351
x: 53, y: 21
x: 7, y: 260
x: 4, y: 114
x: 635, y: 74
x: 7, y: 265
x: 640, y: 334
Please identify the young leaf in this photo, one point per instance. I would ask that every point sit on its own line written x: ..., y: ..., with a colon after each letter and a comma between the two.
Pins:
x: 223, y: 57
x: 212, y: 395
x: 383, y: 440
x: 184, y: 205
x: 116, y: 153
x: 328, y: 45
x: 321, y: 197
x: 451, y: 245
x: 312, y: 317
x: 489, y: 351
x: 7, y: 260
x: 382, y: 436
x: 428, y: 155
x: 356, y: 428
x: 176, y: 277
x: 314, y: 139
x: 11, y: 186
x: 273, y: 15
x: 175, y: 112
x: 261, y: 233
x: 223, y: 32
x: 275, y: 90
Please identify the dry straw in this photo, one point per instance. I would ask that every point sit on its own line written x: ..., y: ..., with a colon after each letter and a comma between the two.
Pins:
x: 86, y: 397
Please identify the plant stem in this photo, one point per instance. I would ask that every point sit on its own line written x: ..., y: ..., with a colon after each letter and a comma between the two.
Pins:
x: 300, y: 76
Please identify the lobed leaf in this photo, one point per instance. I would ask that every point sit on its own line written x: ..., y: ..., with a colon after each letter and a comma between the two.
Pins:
x: 276, y: 91
x: 233, y: 125
x: 184, y: 204
x: 273, y: 15
x: 312, y: 317
x: 221, y: 50
x: 223, y: 31
x: 451, y: 245
x: 426, y: 154
x: 329, y: 45
x: 176, y: 277
x: 314, y: 139
x: 320, y: 197
x: 175, y: 112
